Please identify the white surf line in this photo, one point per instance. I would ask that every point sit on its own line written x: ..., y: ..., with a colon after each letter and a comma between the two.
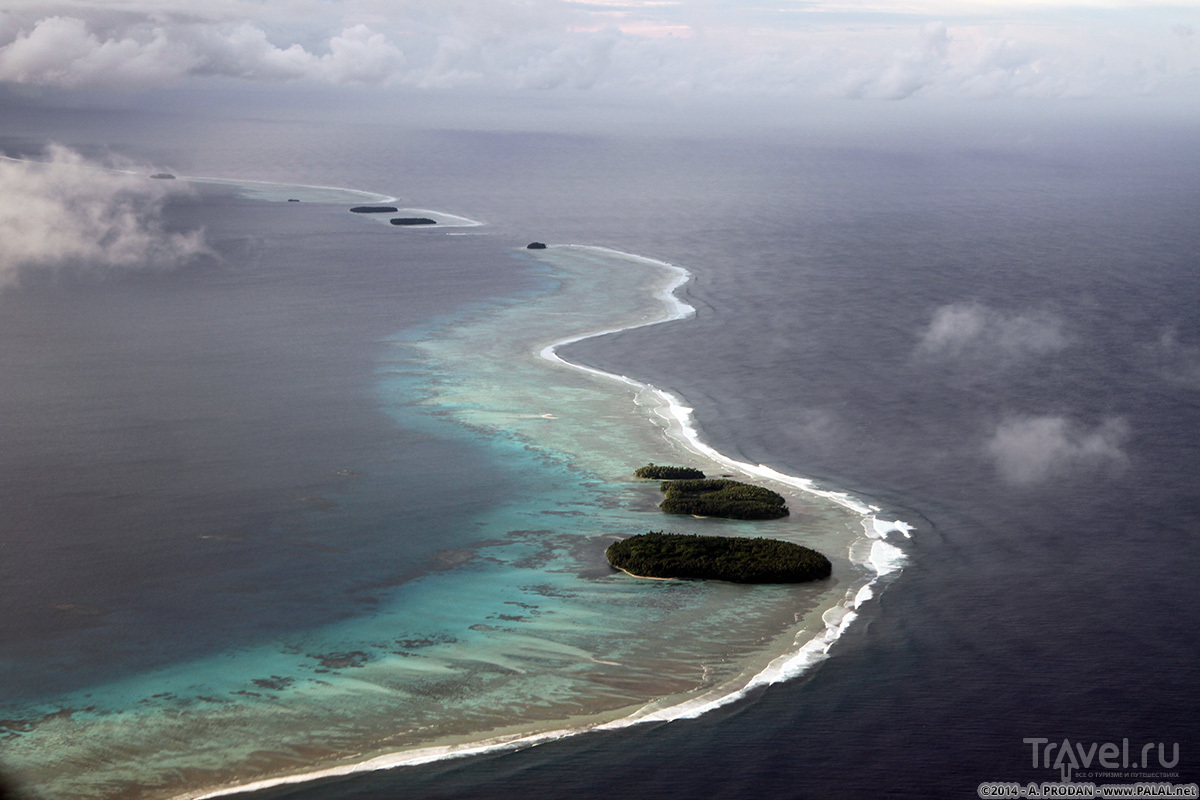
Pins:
x: 883, y: 558
x: 683, y: 414
x: 410, y: 758
x: 443, y: 219
x: 789, y: 665
x: 452, y: 220
x: 83, y: 166
x: 460, y: 221
x: 371, y: 196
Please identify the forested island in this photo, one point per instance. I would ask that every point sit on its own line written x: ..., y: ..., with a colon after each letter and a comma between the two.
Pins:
x: 413, y: 221
x: 666, y: 472
x: 675, y: 555
x: 374, y: 210
x: 722, y: 498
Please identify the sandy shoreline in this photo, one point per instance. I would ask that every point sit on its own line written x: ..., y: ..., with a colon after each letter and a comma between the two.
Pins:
x: 644, y: 577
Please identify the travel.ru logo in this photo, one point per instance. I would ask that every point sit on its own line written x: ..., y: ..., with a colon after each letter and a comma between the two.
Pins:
x: 1068, y: 756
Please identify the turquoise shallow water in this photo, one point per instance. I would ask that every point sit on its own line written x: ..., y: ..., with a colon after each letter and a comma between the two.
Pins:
x: 513, y: 625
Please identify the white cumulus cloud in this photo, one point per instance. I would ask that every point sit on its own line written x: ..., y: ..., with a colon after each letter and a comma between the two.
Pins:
x: 972, y: 330
x: 65, y: 211
x: 1034, y: 449
x: 69, y: 52
x: 360, y: 55
x: 62, y: 51
x: 858, y: 50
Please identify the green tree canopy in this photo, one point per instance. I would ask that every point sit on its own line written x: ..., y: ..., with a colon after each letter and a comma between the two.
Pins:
x: 759, y: 560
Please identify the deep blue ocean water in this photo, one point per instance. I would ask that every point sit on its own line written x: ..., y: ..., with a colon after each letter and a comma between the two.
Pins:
x: 1064, y: 607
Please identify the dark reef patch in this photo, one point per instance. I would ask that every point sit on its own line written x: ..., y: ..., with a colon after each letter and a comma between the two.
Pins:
x: 348, y: 660
x: 276, y: 683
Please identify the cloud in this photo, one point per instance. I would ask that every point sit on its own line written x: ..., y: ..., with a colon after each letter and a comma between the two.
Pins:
x: 855, y: 50
x: 61, y: 51
x: 974, y: 331
x: 1176, y: 361
x: 815, y: 428
x: 530, y: 59
x: 578, y: 63
x: 66, y: 52
x: 1034, y: 449
x: 65, y: 211
x: 1000, y: 65
x: 360, y: 55
x: 907, y: 71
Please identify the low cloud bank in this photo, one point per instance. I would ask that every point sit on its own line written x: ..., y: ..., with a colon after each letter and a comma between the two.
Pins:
x: 1034, y: 449
x: 64, y: 51
x: 673, y: 48
x: 64, y: 211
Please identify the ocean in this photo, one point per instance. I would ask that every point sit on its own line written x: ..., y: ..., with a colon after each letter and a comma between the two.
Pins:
x: 315, y: 496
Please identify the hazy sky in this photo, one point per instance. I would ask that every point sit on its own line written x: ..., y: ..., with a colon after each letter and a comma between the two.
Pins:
x: 869, y: 49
